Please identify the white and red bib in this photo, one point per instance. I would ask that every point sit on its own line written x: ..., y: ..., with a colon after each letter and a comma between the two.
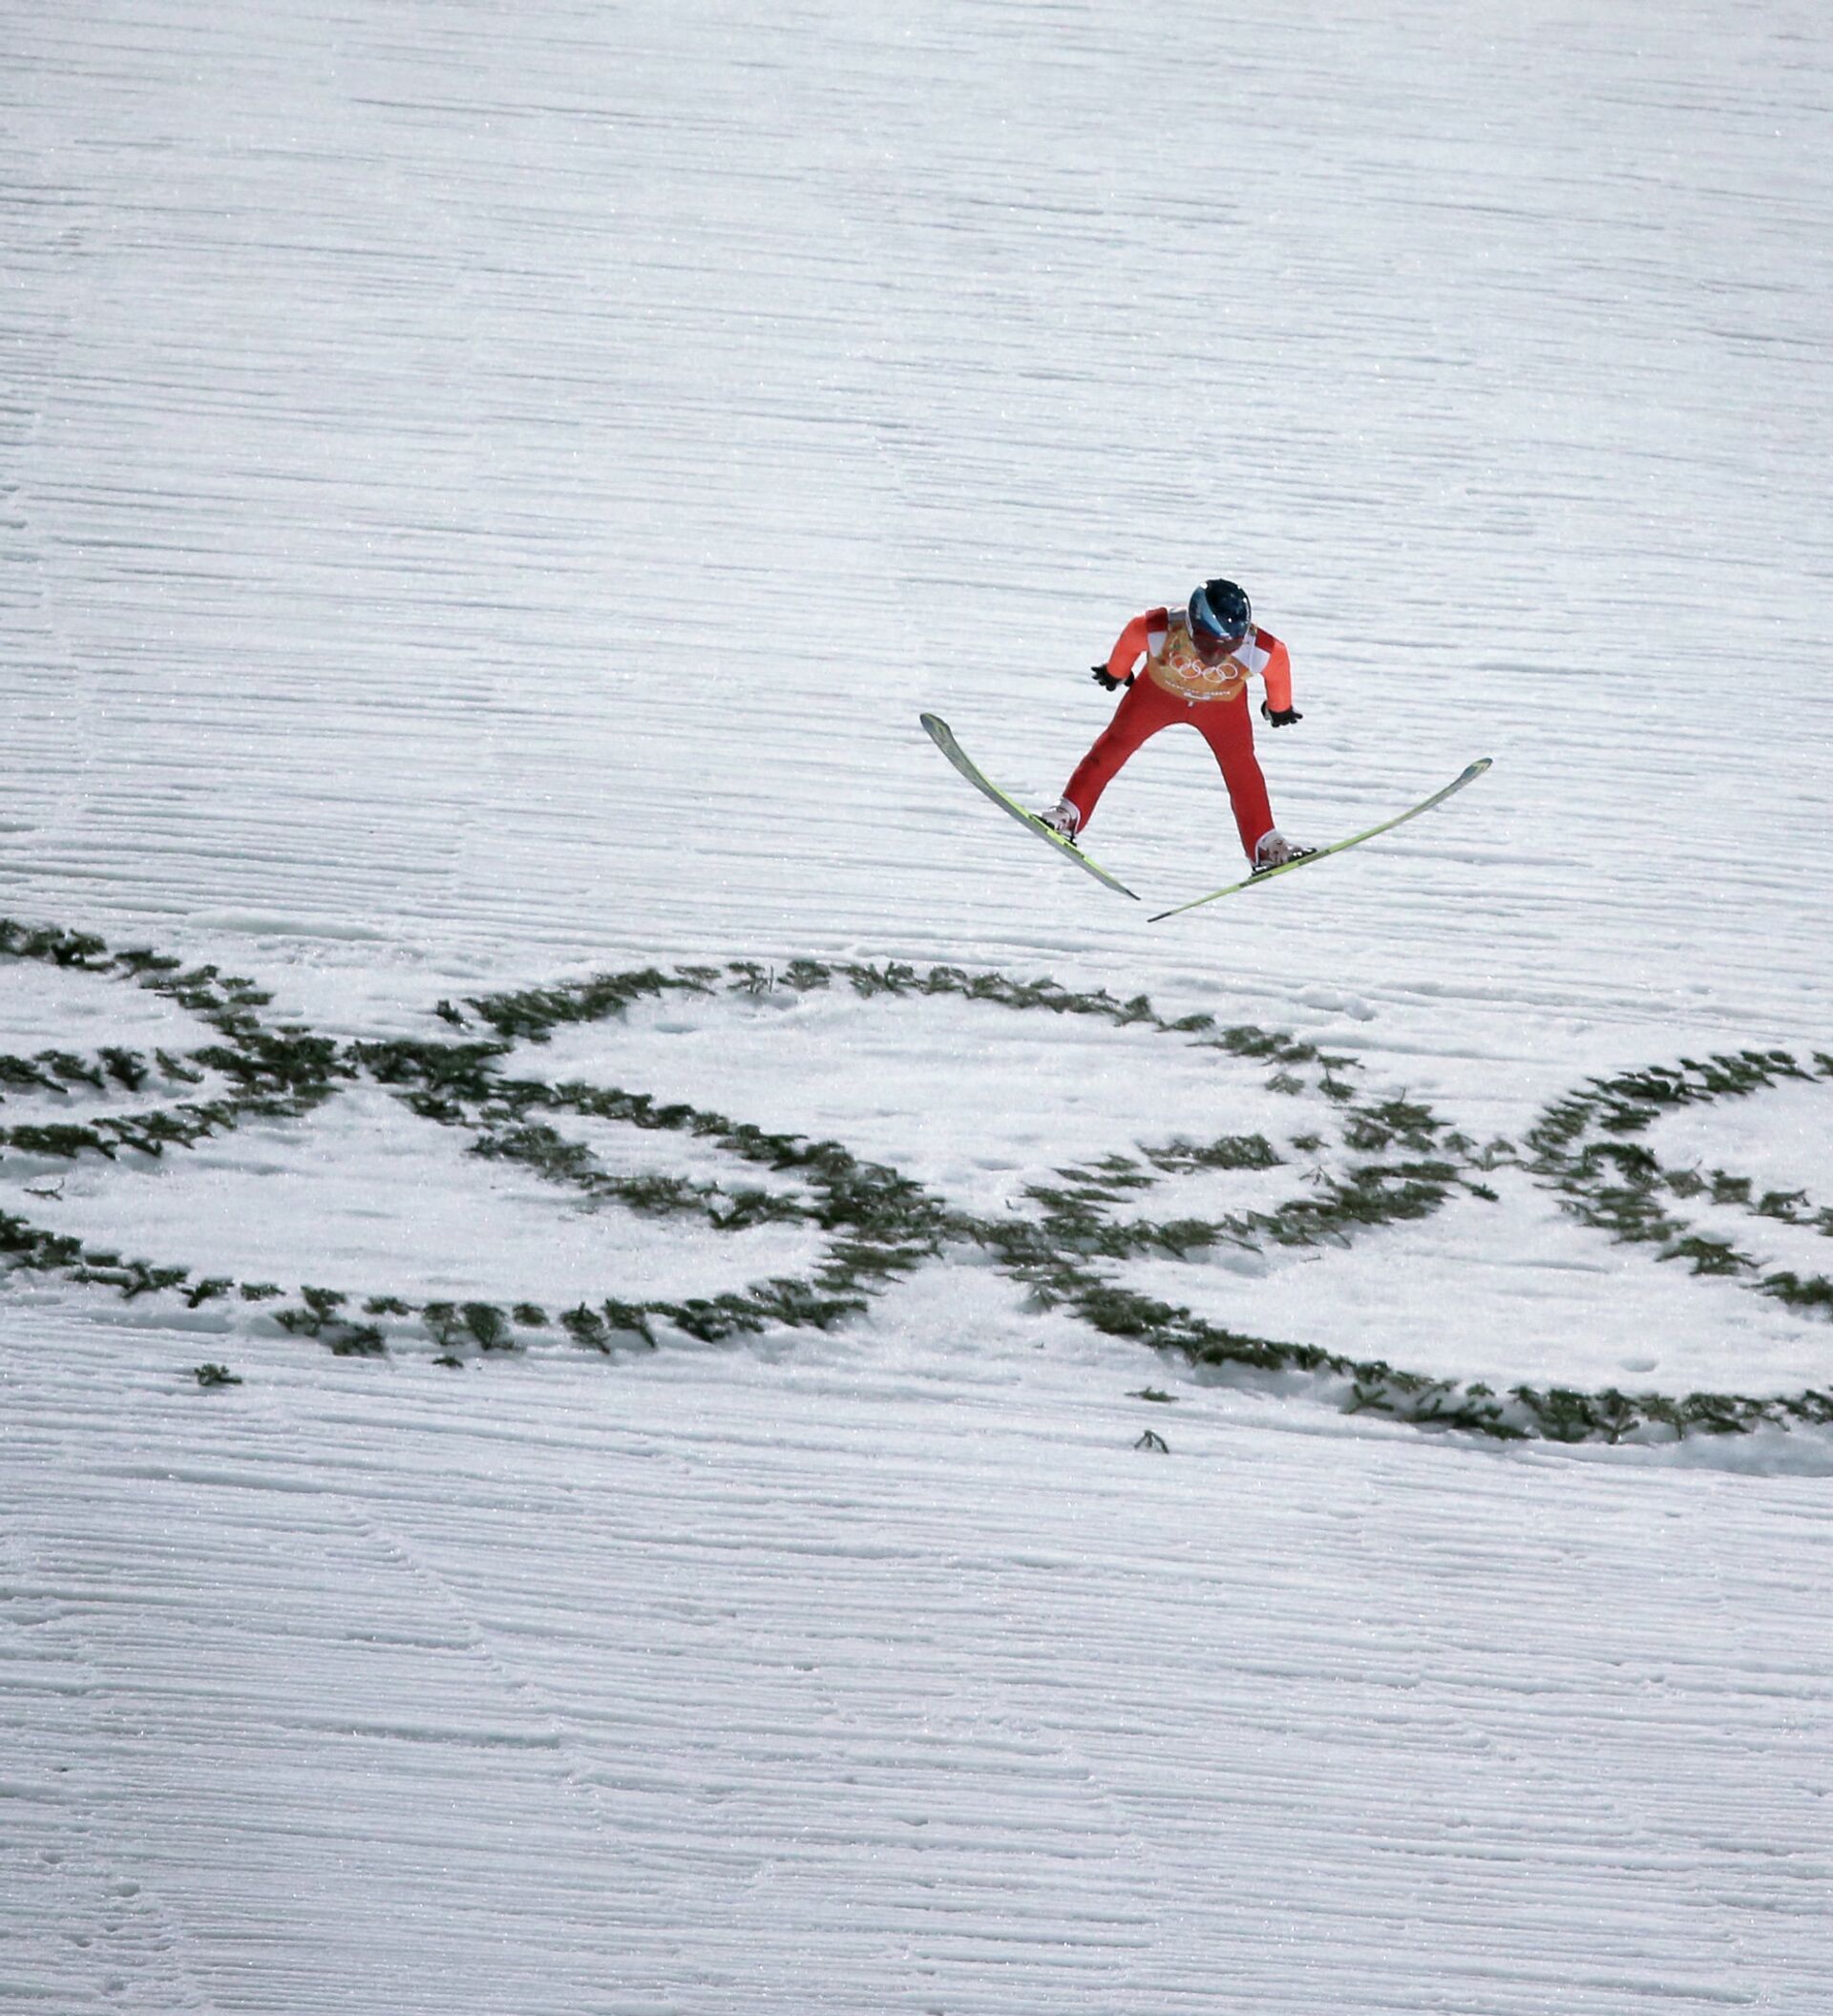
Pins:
x: 1174, y: 665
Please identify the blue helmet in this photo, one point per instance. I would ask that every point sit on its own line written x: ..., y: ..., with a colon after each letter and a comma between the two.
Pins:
x: 1219, y: 613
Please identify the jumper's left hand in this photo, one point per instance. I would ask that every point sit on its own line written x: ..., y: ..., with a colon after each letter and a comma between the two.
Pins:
x: 1280, y: 717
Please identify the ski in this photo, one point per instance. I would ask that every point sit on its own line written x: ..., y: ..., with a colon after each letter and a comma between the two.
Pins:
x: 1468, y: 775
x: 943, y: 737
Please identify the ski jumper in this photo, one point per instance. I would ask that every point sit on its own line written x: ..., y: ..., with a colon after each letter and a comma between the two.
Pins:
x: 1177, y: 684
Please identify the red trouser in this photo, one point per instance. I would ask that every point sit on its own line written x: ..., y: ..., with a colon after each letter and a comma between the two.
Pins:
x: 1223, y: 724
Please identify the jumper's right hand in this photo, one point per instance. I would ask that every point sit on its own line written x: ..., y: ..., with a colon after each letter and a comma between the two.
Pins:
x: 1107, y: 681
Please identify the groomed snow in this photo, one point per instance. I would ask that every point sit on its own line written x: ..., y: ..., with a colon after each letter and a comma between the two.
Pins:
x: 487, y: 494
x: 362, y: 1197
x: 42, y: 1004
x: 975, y: 1100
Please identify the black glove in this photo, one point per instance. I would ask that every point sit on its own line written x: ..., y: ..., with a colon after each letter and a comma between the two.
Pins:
x: 1108, y: 683
x: 1280, y: 717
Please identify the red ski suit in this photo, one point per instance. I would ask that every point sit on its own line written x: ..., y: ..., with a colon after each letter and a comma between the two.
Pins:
x: 1174, y: 685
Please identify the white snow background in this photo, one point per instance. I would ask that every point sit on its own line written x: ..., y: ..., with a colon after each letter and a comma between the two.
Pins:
x: 486, y: 494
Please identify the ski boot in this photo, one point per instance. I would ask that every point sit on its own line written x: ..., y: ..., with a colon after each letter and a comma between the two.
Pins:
x: 1275, y: 851
x: 1062, y: 821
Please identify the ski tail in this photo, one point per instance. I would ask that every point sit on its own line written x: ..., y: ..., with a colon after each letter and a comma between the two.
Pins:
x: 1467, y: 775
x: 942, y: 736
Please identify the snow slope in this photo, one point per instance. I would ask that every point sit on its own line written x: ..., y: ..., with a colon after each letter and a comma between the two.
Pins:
x: 487, y: 495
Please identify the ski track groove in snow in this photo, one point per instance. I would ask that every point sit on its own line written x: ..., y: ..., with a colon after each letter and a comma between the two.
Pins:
x: 486, y: 496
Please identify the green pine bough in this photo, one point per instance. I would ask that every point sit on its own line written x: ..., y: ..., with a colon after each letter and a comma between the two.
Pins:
x: 1395, y: 1162
x: 268, y: 1072
x: 1586, y: 1147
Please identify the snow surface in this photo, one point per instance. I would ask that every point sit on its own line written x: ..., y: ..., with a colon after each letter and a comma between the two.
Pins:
x: 487, y: 494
